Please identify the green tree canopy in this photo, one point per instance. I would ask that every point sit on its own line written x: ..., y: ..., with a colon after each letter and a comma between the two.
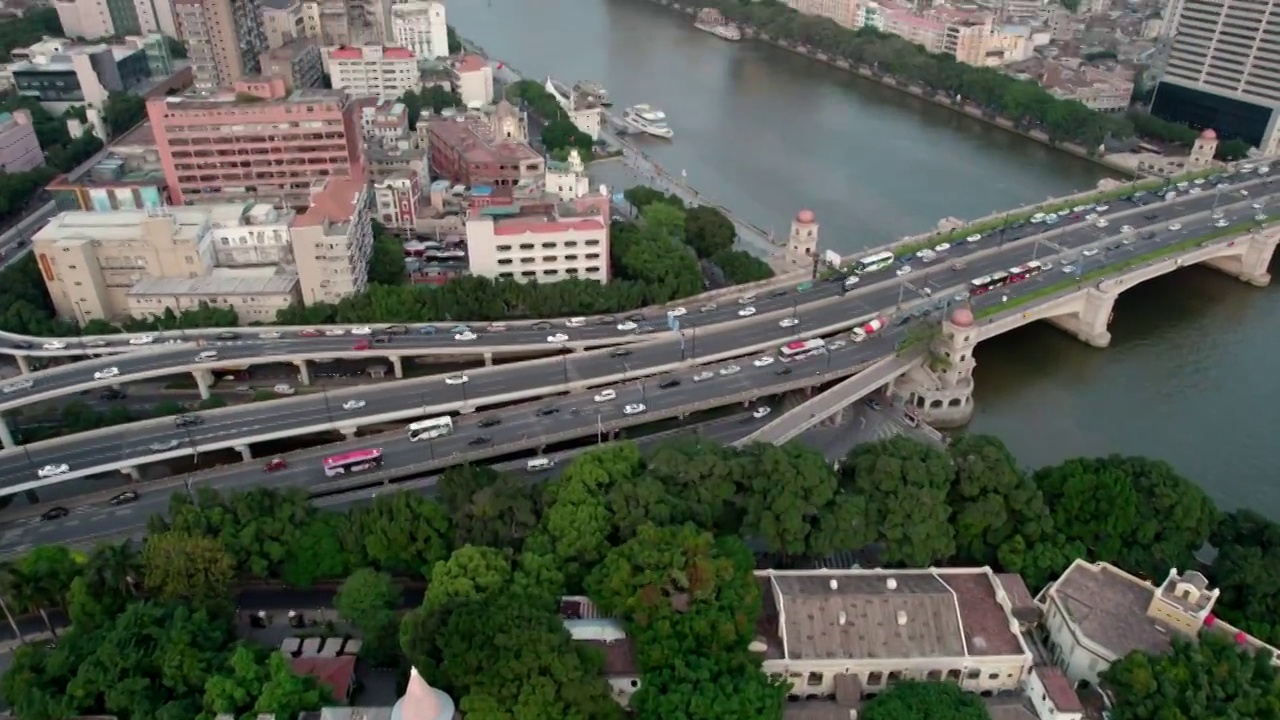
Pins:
x: 919, y: 700
x: 369, y: 600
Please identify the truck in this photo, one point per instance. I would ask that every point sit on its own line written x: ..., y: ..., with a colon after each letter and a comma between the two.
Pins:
x: 865, y: 331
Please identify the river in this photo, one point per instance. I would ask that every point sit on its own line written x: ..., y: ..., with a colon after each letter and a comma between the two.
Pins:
x: 765, y: 132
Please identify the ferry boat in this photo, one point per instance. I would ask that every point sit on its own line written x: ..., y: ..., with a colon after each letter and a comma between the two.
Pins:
x: 647, y: 119
x: 712, y: 21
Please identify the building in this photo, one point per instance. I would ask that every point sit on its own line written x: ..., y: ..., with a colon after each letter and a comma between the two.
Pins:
x: 396, y: 199
x: 281, y: 22
x: 19, y: 148
x: 258, y: 142
x: 224, y: 40
x: 419, y: 25
x: 1223, y: 70
x: 372, y: 71
x: 126, y: 175
x: 473, y: 80
x: 483, y: 148
x: 567, y: 180
x: 62, y: 74
x: 543, y: 241
x: 332, y: 241
x: 255, y: 296
x: 1097, y: 88
x: 385, y: 123
x: 1096, y: 613
x: 93, y: 19
x: 841, y: 12
x: 298, y: 62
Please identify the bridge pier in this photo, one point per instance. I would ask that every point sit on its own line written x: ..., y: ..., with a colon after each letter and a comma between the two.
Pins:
x: 24, y: 365
x: 6, y: 436
x: 397, y: 367
x: 133, y: 474
x: 204, y: 381
x: 304, y: 373
x: 1088, y: 323
x: 488, y: 359
x: 1251, y: 265
x: 349, y: 432
x: 245, y: 453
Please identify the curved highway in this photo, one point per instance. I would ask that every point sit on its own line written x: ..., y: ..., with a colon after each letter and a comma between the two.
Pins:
x: 248, y: 347
x: 490, y: 390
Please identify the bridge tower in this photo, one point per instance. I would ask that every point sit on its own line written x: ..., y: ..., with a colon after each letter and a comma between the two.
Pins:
x: 1203, y: 150
x: 802, y: 247
x: 940, y: 392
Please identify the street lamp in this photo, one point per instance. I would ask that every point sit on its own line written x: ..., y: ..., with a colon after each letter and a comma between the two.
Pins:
x: 328, y: 409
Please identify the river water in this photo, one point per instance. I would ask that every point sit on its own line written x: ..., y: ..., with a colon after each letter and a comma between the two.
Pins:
x: 764, y: 133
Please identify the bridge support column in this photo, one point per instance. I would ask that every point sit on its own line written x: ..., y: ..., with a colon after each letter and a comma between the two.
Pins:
x: 397, y: 367
x: 1251, y: 265
x: 488, y: 359
x: 24, y: 365
x: 133, y: 473
x: 348, y: 432
x: 204, y: 381
x: 304, y: 373
x: 1089, y: 322
x: 6, y: 436
x: 245, y: 453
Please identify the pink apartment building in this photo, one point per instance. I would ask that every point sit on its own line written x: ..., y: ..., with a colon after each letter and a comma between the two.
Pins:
x: 258, y: 142
x: 542, y: 241
x: 19, y: 149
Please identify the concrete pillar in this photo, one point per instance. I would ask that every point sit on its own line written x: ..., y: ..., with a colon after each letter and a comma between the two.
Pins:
x: 24, y: 365
x: 304, y: 373
x: 397, y: 366
x: 1088, y: 323
x: 488, y: 359
x: 204, y: 381
x: 245, y: 453
x: 1249, y: 258
x: 348, y: 432
x: 6, y: 437
x: 133, y: 473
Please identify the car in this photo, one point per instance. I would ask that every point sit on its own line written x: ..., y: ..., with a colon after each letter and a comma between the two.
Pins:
x: 634, y: 409
x: 1260, y: 217
x: 1047, y: 266
x: 904, y: 270
x: 782, y: 371
x: 669, y: 383
x: 284, y: 389
x: 1068, y: 269
x: 490, y: 422
x: 269, y: 335
x: 206, y: 356
x: 606, y: 320
x: 396, y: 329
x: 636, y: 317
x: 1101, y: 223
x: 788, y: 322
x: 428, y: 330
x: 763, y: 361
x: 704, y: 375
x: 335, y: 332
x: 96, y: 343
x: 142, y: 340
x: 22, y: 345
x: 558, y: 338
x: 497, y: 327
x: 107, y: 373
x: 941, y: 247
x: 762, y: 412
x: 709, y: 307
x: 973, y: 238
x: 112, y: 394
x: 275, y: 464
x: 874, y: 404
x: 1101, y: 208
x: 17, y: 386
x: 1089, y: 252
x: 1257, y: 206
x: 1221, y: 223
x: 957, y: 266
x: 382, y: 339
x: 730, y: 369
x: 362, y: 330
x: 480, y: 440
x: 227, y: 335
x: 546, y: 411
x: 309, y: 332
x: 627, y: 326
x: 606, y: 396
x: 747, y: 311
x: 164, y: 445
x: 353, y: 405
x: 465, y: 337
x: 677, y: 312
x: 542, y: 325
x: 54, y: 513
x: 124, y: 498
x: 360, y: 345
x: 49, y: 471
x: 746, y: 299
x: 55, y: 345
x: 1126, y: 229
x: 1173, y: 227
x: 456, y: 379
x: 620, y: 352
x: 186, y: 421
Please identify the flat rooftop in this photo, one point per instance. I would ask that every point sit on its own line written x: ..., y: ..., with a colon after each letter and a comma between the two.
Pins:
x: 121, y: 225
x: 472, y: 137
x: 1110, y: 607
x: 334, y: 204
x: 216, y: 285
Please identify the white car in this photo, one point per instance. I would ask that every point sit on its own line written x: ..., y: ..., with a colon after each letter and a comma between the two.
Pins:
x: 762, y: 412
x: 746, y: 299
x: 55, y: 345
x: 558, y: 338
x: 142, y: 340
x: 1195, y: 191
x: 627, y: 326
x: 335, y: 332
x: 1101, y: 208
x: 1090, y: 252
x: 1257, y: 206
x: 974, y: 238
x: 941, y: 247
x: 634, y: 409
x: 836, y: 345
x: 1260, y: 217
x: 765, y: 361
x: 362, y: 330
x: 164, y: 445
x: 904, y: 270
x: 269, y: 335
x: 1068, y: 269
x: 207, y: 356
x: 788, y: 322
x: 747, y: 311
x: 50, y: 470
x: 1101, y: 223
x: 605, y: 396
x: 16, y: 386
x: 353, y: 405
x: 467, y: 336
x: 1173, y: 227
x: 1221, y: 223
x: 677, y: 312
x: 1046, y: 266
x: 729, y: 369
x: 704, y: 375
x: 459, y: 379
x: 107, y: 373
x: 1126, y: 228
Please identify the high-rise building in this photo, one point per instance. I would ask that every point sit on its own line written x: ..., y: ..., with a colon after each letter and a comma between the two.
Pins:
x: 224, y: 39
x: 93, y: 19
x: 1223, y: 70
x: 420, y: 26
x: 373, y: 71
x: 282, y: 21
x: 256, y: 142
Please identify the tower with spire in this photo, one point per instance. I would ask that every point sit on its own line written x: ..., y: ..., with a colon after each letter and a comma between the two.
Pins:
x: 422, y: 702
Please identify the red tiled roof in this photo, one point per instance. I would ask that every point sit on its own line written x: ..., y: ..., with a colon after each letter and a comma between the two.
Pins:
x: 1059, y: 690
x: 346, y: 53
x: 396, y: 53
x: 986, y: 626
x: 336, y: 673
x: 334, y: 203
x: 618, y: 660
x: 469, y: 63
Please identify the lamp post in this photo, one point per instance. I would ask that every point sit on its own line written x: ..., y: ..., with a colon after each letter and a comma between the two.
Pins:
x: 328, y: 409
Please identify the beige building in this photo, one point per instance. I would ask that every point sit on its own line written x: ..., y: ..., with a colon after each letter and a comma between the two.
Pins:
x: 332, y: 241
x: 473, y: 80
x: 1096, y: 88
x: 373, y: 71
x: 256, y: 297
x: 297, y: 62
x: 93, y: 19
x: 543, y: 241
x: 419, y: 25
x: 842, y: 12
x: 224, y: 39
x: 282, y: 21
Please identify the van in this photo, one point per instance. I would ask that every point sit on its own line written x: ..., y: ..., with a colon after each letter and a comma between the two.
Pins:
x: 539, y: 464
x: 575, y: 322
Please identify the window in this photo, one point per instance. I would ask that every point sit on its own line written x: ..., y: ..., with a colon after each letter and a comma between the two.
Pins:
x: 815, y: 679
x: 973, y: 674
x: 875, y: 678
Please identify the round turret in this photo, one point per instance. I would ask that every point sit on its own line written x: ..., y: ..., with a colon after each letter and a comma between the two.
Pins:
x: 962, y: 317
x: 422, y: 702
x: 805, y: 216
x: 1208, y: 134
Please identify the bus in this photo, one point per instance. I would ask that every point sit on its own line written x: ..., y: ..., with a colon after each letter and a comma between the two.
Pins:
x: 430, y: 428
x: 872, y: 263
x: 987, y: 283
x: 801, y: 347
x: 1022, y: 272
x: 353, y: 461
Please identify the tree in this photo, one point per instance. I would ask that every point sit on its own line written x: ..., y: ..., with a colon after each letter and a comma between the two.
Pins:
x: 386, y: 262
x: 784, y: 492
x: 403, y: 533
x: 1209, y: 678
x: 178, y: 566
x: 487, y: 507
x: 122, y: 111
x: 934, y: 700
x: 992, y: 500
x: 318, y: 551
x: 369, y: 601
x: 469, y: 573
x: 708, y: 231
x: 1248, y: 550
x: 703, y: 689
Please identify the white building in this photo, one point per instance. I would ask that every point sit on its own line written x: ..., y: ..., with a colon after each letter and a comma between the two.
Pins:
x: 473, y: 80
x: 419, y: 25
x: 568, y: 180
x: 371, y: 71
x: 332, y: 241
x: 541, y: 241
x: 92, y: 19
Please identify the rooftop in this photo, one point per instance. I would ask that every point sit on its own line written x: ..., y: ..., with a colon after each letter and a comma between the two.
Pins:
x: 472, y: 135
x: 1060, y: 690
x: 470, y: 63
x: 370, y: 53
x: 216, y: 285
x: 1110, y: 608
x: 122, y: 225
x: 336, y: 202
x: 336, y: 673
x: 202, y: 100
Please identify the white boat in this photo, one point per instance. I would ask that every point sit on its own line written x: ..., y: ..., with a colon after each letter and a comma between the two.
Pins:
x: 647, y: 119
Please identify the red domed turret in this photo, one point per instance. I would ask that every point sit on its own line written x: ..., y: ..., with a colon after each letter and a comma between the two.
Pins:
x: 1208, y: 134
x: 805, y: 216
x: 962, y: 317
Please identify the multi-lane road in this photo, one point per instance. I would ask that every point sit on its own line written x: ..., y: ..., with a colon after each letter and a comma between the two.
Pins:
x: 636, y: 370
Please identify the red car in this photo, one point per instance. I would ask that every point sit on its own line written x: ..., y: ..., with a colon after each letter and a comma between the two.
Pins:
x: 310, y: 332
x: 361, y: 345
x: 275, y: 464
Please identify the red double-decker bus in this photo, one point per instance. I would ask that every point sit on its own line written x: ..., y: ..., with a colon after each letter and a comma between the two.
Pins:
x: 354, y: 461
x: 1022, y: 272
x: 987, y: 283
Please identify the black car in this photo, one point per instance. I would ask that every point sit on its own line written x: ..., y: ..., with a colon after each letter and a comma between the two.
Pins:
x: 783, y: 371
x: 22, y: 345
x: 186, y: 421
x: 113, y: 394
x: 480, y: 440
x: 490, y: 422
x: 124, y: 498
x: 873, y: 404
x: 381, y: 339
x: 396, y: 329
x: 543, y: 412
x: 542, y: 326
x: 1151, y: 216
x: 778, y: 293
x: 228, y: 335
x: 669, y: 383
x: 636, y: 317
x: 620, y: 352
x: 54, y: 513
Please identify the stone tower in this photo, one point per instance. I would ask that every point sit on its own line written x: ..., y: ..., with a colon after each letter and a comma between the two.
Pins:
x: 803, y: 244
x: 422, y: 702
x: 1203, y: 150
x: 508, y: 123
x: 941, y: 392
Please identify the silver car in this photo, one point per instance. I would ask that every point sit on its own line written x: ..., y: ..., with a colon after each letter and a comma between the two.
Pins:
x: 164, y: 445
x: 704, y: 375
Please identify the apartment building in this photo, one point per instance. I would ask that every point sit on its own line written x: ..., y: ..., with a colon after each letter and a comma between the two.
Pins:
x: 1101, y: 89
x: 373, y: 71
x: 419, y: 25
x: 473, y: 80
x: 1223, y: 70
x: 298, y: 62
x: 19, y: 148
x: 487, y: 148
x: 385, y: 123
x: 224, y: 40
x: 397, y: 198
x: 332, y: 241
x: 62, y: 74
x: 93, y: 19
x: 841, y: 12
x: 542, y: 241
x: 127, y: 175
x: 282, y: 21
x: 256, y: 142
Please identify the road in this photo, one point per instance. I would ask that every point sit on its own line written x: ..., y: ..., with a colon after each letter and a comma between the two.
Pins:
x: 520, y: 423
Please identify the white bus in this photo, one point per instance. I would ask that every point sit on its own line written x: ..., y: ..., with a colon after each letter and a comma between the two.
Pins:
x: 431, y: 428
x: 872, y: 263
